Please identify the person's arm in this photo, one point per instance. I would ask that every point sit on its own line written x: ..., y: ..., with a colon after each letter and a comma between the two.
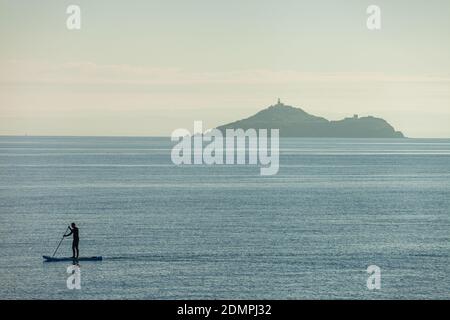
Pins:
x: 71, y: 231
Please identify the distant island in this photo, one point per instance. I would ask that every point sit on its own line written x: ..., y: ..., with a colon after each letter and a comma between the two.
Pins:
x: 295, y: 122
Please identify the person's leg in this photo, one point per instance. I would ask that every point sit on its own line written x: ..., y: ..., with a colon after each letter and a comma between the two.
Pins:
x: 73, y: 249
x: 76, y: 247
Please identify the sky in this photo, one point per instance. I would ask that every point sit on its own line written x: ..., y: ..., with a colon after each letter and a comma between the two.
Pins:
x: 146, y: 68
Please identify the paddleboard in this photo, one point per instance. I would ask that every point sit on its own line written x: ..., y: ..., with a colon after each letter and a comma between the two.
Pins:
x: 57, y: 259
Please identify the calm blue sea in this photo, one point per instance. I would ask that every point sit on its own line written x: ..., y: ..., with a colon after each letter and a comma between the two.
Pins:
x: 200, y: 232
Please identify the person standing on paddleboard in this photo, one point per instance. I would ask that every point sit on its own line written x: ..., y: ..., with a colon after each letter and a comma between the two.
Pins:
x: 76, y: 239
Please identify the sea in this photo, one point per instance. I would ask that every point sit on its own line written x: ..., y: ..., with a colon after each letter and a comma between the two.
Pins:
x: 312, y: 231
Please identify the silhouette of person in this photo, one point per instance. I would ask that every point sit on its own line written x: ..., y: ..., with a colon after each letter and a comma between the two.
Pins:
x: 76, y: 240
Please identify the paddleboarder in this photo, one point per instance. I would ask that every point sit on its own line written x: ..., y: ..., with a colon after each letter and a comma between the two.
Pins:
x: 74, y: 231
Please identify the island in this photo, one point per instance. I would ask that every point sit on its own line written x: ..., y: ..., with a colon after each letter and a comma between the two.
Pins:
x: 295, y: 122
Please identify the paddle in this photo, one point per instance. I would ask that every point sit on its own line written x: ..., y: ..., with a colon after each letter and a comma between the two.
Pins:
x: 59, y: 243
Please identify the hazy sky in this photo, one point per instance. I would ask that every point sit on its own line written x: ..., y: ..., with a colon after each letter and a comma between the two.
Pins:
x: 149, y: 67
